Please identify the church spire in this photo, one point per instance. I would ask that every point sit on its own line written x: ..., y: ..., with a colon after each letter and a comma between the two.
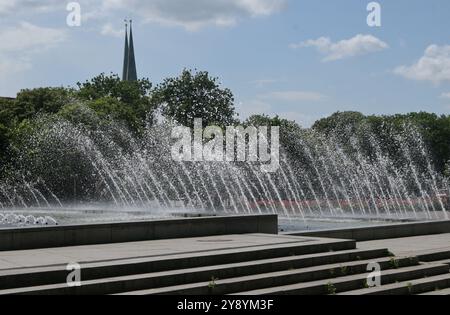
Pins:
x: 129, y: 67
x: 126, y: 54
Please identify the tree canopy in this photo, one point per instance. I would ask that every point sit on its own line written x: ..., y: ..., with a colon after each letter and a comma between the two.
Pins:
x: 105, y: 100
x: 434, y: 129
x: 195, y: 95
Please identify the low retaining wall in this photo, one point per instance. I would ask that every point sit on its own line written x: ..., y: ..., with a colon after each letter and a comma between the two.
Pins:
x: 371, y: 233
x: 62, y: 236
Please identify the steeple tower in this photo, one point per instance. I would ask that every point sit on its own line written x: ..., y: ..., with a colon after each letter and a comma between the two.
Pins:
x: 132, y: 72
x: 129, y: 64
x: 125, y: 59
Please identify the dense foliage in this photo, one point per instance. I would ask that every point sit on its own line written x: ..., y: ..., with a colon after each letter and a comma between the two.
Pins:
x: 195, y: 95
x: 105, y: 105
x: 447, y: 169
x: 434, y: 129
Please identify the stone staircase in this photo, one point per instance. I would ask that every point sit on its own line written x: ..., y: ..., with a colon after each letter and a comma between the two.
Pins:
x: 303, y: 268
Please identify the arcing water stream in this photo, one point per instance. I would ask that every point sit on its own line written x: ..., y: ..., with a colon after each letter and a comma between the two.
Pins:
x: 320, y: 176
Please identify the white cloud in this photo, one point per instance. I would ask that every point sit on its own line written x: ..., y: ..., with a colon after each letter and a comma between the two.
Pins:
x: 356, y: 46
x: 445, y: 95
x: 8, y: 7
x: 8, y: 67
x: 109, y: 30
x: 191, y: 15
x: 21, y: 42
x: 263, y: 82
x: 253, y: 107
x: 434, y: 66
x: 28, y: 38
x: 294, y: 96
x: 195, y: 14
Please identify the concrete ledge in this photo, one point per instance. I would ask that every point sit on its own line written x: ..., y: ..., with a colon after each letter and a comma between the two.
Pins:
x: 77, y: 235
x: 371, y: 233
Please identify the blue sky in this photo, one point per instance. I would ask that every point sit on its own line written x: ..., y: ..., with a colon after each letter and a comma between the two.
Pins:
x: 300, y: 59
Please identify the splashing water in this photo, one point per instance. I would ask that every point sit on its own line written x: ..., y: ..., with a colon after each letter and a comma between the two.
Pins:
x: 320, y: 176
x: 11, y: 219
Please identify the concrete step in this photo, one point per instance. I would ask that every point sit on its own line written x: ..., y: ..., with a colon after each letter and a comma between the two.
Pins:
x: 435, y: 255
x: 444, y: 292
x: 414, y: 286
x: 442, y: 262
x: 348, y: 283
x: 266, y: 280
x: 30, y: 277
x: 204, y: 274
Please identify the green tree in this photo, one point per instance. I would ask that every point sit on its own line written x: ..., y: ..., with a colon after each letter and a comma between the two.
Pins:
x: 7, y: 121
x: 80, y: 114
x: 99, y: 112
x: 28, y: 104
x: 41, y: 100
x: 436, y: 133
x: 344, y: 122
x: 288, y: 128
x: 58, y: 159
x: 7, y: 112
x: 196, y: 95
x: 4, y: 140
x: 289, y: 132
x: 434, y: 129
x: 447, y: 169
x: 117, y: 95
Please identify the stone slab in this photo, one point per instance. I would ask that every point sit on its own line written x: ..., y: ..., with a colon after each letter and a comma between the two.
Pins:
x: 369, y: 233
x: 412, y: 246
x: 49, y: 237
x: 134, y: 250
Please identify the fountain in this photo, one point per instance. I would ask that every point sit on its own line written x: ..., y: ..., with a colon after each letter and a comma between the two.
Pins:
x: 79, y: 175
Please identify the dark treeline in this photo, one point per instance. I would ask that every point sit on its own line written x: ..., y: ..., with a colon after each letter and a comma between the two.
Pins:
x: 191, y: 95
x: 434, y: 129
